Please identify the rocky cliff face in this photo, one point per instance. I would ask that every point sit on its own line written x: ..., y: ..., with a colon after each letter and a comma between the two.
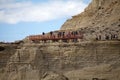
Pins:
x: 86, y: 60
x: 6, y: 50
x: 100, y: 13
x: 64, y: 61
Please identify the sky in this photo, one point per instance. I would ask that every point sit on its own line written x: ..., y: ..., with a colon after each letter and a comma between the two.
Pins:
x: 21, y: 18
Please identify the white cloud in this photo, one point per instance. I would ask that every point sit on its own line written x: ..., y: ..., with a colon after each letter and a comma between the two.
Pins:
x: 14, y: 12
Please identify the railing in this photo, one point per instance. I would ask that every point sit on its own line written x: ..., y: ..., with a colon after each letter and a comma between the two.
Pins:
x: 54, y: 37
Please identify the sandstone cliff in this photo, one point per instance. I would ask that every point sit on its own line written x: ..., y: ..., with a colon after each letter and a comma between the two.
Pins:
x: 64, y: 61
x: 86, y: 60
x: 100, y: 13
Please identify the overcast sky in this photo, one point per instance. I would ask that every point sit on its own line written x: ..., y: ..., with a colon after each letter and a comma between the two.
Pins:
x: 21, y: 18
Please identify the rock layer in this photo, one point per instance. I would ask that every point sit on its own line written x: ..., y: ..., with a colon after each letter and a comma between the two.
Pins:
x: 64, y: 61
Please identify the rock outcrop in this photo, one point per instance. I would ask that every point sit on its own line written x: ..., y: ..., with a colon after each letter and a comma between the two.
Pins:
x: 100, y: 18
x: 99, y: 13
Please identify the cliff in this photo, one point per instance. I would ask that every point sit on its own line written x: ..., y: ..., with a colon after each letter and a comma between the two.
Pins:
x: 88, y: 59
x: 64, y: 61
x: 100, y: 13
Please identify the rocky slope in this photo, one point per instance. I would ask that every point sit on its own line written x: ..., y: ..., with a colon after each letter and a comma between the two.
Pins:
x: 100, y: 13
x: 89, y: 59
x: 100, y: 18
